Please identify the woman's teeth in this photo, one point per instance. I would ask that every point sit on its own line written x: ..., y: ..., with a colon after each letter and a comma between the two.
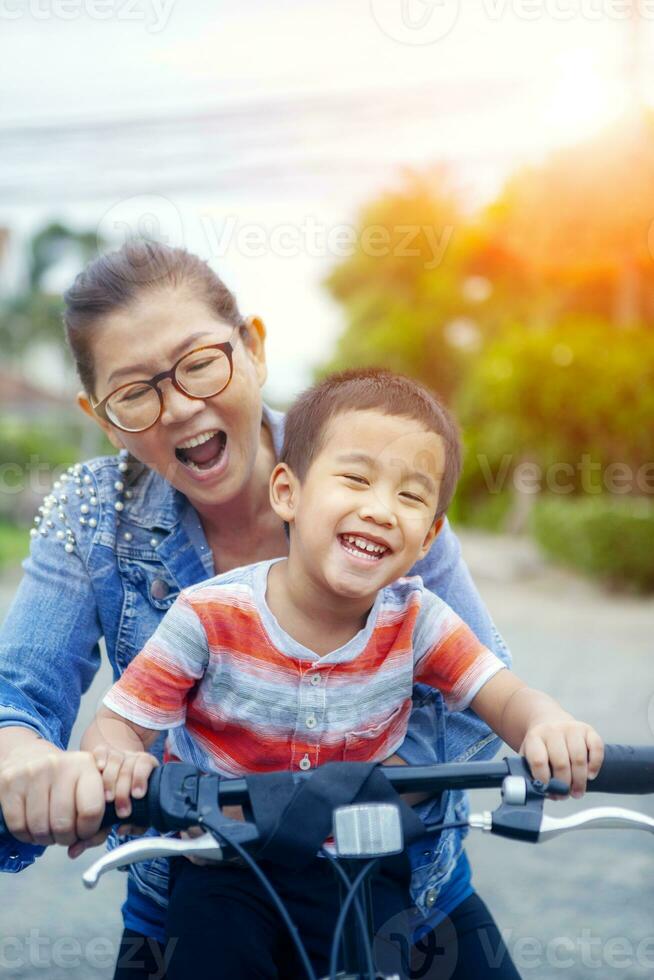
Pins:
x: 363, y: 548
x: 202, y: 452
x: 198, y: 440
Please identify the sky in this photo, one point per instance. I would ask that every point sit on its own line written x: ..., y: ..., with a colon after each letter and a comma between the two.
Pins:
x: 253, y: 133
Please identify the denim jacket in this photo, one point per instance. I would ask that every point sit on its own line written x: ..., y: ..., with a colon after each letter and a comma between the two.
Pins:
x: 113, y: 545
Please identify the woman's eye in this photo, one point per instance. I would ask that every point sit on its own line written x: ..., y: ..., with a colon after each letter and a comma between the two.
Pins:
x: 355, y: 478
x: 132, y: 395
x: 200, y: 366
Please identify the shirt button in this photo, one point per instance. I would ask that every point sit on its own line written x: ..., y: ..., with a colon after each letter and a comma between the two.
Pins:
x: 311, y: 721
x: 305, y: 763
x: 431, y: 897
x: 315, y: 679
x: 160, y: 589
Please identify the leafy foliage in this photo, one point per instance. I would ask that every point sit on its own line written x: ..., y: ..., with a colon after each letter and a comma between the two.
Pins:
x: 608, y: 539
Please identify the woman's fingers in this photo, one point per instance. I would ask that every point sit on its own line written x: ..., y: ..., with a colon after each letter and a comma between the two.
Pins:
x: 37, y: 807
x: 62, y: 807
x: 15, y: 817
x: 80, y: 846
x: 89, y: 801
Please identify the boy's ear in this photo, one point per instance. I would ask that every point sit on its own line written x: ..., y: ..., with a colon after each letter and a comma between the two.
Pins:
x: 283, y: 492
x: 113, y: 435
x: 430, y: 536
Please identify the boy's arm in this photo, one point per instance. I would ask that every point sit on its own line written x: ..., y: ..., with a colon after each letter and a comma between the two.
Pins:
x: 535, y: 725
x: 111, y: 730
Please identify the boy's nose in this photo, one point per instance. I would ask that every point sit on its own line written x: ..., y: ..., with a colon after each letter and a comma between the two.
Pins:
x: 377, y: 511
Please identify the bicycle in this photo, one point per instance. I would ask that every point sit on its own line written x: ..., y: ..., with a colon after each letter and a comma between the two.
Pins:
x: 365, y: 830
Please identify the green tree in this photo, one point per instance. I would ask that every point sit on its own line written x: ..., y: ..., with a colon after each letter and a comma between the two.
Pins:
x: 34, y: 314
x: 401, y: 288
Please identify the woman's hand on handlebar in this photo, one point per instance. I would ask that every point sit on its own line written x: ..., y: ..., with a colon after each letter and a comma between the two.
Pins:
x: 48, y: 796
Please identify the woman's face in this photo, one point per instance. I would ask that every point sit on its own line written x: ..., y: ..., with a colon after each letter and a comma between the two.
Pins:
x: 148, y: 337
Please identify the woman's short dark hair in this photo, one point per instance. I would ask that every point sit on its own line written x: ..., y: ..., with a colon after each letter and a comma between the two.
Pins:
x: 358, y: 390
x: 112, y: 282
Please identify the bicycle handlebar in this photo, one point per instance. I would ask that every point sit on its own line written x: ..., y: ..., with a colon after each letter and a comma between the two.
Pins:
x: 626, y: 769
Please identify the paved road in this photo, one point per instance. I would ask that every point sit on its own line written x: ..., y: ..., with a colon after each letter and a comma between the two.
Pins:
x: 574, y: 908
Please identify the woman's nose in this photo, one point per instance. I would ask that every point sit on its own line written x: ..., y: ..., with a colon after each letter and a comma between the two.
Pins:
x: 178, y: 407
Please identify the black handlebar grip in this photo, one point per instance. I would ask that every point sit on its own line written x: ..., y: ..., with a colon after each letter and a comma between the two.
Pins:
x: 626, y: 769
x: 139, y: 817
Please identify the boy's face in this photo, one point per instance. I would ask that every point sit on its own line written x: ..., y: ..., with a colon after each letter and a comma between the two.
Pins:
x: 365, y: 511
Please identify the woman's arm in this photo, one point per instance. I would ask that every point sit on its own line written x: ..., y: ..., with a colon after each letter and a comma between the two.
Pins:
x: 435, y: 734
x: 49, y: 654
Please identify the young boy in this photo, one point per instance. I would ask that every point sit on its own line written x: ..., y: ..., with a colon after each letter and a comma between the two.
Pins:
x: 299, y: 661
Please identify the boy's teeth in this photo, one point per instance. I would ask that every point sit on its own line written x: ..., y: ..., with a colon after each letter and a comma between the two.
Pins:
x: 365, y: 545
x: 198, y: 440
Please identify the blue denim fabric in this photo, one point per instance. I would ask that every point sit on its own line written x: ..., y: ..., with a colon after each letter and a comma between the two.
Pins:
x: 125, y: 568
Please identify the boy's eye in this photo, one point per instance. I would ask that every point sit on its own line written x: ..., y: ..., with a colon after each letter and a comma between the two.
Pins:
x: 412, y: 496
x: 355, y: 478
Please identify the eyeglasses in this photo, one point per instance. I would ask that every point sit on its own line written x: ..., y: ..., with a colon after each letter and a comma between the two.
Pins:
x: 201, y: 373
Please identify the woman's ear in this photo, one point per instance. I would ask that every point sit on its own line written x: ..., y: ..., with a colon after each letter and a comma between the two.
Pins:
x: 113, y: 435
x: 255, y: 344
x: 283, y: 492
x: 431, y: 535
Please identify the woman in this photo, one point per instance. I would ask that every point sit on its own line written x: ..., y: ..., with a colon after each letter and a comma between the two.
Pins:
x: 173, y: 375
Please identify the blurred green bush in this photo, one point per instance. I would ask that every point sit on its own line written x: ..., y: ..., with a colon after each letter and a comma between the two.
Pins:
x: 606, y: 538
x: 566, y: 395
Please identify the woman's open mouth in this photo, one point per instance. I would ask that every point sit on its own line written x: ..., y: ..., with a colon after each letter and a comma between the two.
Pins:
x: 203, y: 452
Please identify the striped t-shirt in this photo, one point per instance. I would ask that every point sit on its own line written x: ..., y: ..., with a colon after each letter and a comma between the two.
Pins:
x: 240, y: 695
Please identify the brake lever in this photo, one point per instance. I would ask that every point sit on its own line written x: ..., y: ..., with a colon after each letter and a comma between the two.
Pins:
x: 520, y: 815
x: 600, y: 817
x: 146, y: 848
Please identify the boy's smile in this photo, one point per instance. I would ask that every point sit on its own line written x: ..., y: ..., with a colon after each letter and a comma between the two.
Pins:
x: 364, y: 513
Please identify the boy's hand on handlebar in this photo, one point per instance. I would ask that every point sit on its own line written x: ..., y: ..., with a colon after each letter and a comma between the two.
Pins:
x: 124, y: 774
x: 565, y: 749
